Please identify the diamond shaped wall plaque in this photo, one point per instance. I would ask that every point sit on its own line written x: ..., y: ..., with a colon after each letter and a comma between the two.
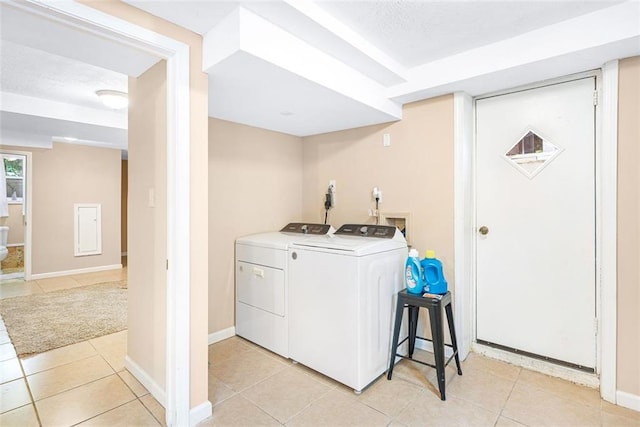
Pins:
x: 532, y: 153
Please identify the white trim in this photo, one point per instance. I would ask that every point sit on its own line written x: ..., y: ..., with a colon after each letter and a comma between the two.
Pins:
x: 221, y: 335
x: 76, y: 271
x: 14, y: 245
x: 628, y: 400
x: 178, y: 346
x: 463, y: 218
x: 548, y: 368
x: 10, y: 276
x: 146, y: 380
x: 607, y: 160
x: 178, y: 240
x: 200, y: 412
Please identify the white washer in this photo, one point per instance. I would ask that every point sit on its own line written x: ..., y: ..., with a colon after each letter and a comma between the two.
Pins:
x: 343, y: 289
x: 261, y: 284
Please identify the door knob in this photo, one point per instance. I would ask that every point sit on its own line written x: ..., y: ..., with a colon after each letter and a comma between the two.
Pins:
x: 484, y: 230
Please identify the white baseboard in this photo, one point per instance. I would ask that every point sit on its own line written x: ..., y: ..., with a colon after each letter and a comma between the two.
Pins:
x: 10, y: 276
x: 428, y: 346
x: 148, y: 382
x: 222, y: 335
x: 200, y: 413
x: 628, y: 400
x: 196, y: 414
x: 77, y: 271
x: 542, y: 366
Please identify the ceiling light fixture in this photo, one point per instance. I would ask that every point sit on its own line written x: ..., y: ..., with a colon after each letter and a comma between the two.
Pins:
x: 113, y: 99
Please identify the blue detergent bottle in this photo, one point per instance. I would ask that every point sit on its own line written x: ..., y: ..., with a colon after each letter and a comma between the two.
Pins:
x: 413, y: 273
x: 434, y: 281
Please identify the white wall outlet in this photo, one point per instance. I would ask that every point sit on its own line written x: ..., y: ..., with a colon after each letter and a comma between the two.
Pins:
x: 332, y: 185
x: 376, y: 193
x: 386, y: 140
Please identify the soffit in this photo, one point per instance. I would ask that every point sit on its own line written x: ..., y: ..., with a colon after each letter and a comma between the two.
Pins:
x: 402, y: 51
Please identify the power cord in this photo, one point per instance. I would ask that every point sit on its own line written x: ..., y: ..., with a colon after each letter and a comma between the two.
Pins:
x: 327, y: 204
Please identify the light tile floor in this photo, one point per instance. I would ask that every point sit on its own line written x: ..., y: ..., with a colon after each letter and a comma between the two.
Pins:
x: 252, y: 386
x: 86, y: 384
x: 18, y: 287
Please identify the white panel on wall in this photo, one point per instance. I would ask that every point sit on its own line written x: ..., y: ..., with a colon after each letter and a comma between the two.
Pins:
x: 87, y: 229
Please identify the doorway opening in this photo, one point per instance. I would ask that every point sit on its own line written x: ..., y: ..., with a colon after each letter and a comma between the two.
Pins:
x: 15, y: 234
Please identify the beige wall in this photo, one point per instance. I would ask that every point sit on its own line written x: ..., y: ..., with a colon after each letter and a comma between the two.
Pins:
x: 15, y: 222
x: 124, y: 180
x: 629, y: 227
x: 199, y: 220
x: 148, y: 223
x: 62, y: 176
x: 255, y: 184
x: 415, y: 175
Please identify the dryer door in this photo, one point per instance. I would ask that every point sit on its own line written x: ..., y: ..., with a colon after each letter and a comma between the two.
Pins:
x: 261, y: 287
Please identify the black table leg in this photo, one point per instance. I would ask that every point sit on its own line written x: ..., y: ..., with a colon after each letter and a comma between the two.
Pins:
x: 413, y: 328
x: 396, y: 334
x: 452, y: 333
x: 437, y: 331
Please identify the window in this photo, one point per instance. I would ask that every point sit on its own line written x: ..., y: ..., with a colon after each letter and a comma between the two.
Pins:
x: 14, y: 168
x: 531, y: 153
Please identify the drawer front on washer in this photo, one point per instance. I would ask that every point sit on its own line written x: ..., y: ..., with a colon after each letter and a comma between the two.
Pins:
x: 261, y: 287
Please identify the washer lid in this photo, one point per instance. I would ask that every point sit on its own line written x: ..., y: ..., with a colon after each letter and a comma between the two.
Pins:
x: 274, y: 239
x: 282, y: 240
x: 352, y: 245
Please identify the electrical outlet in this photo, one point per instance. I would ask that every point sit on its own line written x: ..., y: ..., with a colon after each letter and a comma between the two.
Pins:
x: 332, y: 185
x: 376, y: 193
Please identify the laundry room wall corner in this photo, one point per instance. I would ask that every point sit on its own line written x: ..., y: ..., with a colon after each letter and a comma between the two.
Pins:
x: 255, y: 185
x: 415, y: 173
x: 628, y: 271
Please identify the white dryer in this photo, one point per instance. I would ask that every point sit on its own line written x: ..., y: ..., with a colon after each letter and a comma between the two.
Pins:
x: 342, y: 299
x: 262, y: 284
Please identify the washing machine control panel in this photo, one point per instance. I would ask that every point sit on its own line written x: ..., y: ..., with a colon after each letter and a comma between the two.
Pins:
x: 305, y: 228
x: 368, y: 230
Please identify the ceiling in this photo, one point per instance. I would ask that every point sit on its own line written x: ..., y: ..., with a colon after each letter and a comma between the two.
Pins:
x: 306, y: 67
x: 49, y: 75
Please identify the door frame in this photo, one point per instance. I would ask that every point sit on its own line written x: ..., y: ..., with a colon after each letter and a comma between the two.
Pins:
x: 178, y: 310
x: 28, y: 188
x: 606, y: 226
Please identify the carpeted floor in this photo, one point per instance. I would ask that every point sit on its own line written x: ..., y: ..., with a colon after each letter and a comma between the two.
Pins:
x: 42, y: 322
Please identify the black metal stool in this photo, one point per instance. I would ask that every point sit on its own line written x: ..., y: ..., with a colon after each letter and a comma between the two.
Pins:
x: 434, y: 304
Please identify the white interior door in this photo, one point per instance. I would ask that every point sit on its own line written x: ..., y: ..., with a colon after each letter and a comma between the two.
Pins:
x: 536, y: 221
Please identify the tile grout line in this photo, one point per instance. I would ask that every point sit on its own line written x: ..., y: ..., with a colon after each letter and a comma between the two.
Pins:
x: 509, y: 397
x: 104, y: 412
x: 162, y: 423
x: 297, y: 413
x: 63, y: 364
x: 33, y: 402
